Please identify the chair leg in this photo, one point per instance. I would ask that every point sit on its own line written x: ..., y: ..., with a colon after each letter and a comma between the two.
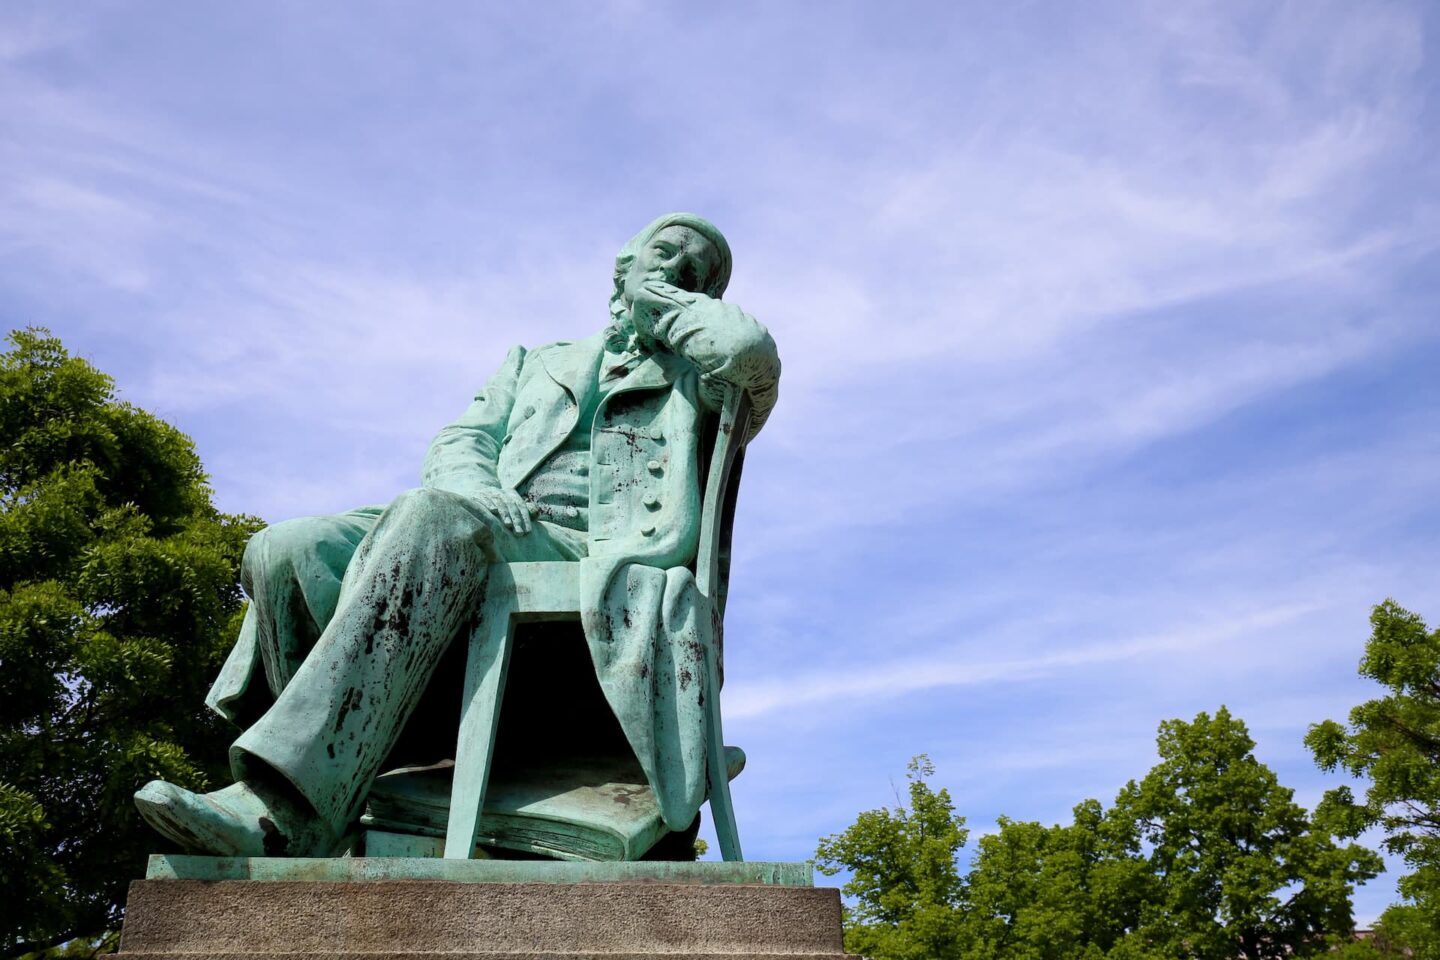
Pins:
x: 721, y: 809
x: 486, y: 665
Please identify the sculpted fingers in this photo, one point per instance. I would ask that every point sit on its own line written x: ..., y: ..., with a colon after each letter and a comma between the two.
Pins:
x: 508, y: 508
x: 522, y: 511
x: 667, y: 291
x: 508, y: 515
x: 516, y: 516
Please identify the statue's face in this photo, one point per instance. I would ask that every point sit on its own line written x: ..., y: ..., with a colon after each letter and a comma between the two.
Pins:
x: 679, y: 256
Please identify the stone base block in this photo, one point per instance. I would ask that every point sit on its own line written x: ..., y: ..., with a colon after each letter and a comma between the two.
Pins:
x: 434, y: 919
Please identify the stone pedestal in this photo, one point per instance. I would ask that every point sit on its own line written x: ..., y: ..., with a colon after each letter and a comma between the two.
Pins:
x: 705, y: 912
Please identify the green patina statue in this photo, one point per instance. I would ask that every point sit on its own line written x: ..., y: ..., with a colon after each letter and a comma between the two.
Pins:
x: 588, y: 452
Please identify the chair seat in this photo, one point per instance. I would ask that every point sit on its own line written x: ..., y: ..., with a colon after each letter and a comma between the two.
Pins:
x: 550, y: 588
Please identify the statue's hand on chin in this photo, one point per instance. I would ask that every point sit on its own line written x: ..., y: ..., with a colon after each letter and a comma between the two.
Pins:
x: 654, y: 305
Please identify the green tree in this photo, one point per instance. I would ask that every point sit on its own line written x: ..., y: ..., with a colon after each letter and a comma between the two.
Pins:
x: 1056, y: 893
x: 904, y: 875
x: 1241, y: 870
x: 1207, y: 857
x: 1393, y: 742
x: 118, y: 601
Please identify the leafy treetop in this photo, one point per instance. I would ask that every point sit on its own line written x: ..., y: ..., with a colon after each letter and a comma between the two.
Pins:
x: 118, y: 600
x: 1207, y: 857
x: 1393, y: 743
x: 904, y: 874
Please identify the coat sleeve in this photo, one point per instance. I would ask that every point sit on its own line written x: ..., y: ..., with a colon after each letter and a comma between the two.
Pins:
x: 727, y: 346
x: 463, y: 456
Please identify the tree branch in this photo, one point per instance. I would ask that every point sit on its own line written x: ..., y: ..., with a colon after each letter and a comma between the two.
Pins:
x: 75, y: 933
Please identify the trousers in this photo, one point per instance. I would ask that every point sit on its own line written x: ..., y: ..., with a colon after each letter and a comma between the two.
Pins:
x: 351, y: 614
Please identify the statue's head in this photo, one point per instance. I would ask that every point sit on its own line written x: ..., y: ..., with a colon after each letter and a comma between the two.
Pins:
x: 682, y: 249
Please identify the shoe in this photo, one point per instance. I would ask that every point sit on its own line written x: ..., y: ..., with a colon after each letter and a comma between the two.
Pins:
x: 242, y: 820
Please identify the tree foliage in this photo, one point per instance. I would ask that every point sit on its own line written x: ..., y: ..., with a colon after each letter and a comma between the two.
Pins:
x: 1240, y: 868
x: 118, y: 600
x: 1393, y: 742
x: 1207, y: 857
x: 904, y: 874
x: 1069, y: 892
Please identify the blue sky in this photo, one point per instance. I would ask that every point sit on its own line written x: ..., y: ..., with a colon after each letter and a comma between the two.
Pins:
x: 1109, y: 330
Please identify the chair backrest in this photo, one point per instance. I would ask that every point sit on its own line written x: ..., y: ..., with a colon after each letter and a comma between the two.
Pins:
x: 717, y: 515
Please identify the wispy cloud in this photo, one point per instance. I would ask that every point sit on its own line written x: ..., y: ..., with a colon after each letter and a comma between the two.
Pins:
x: 888, y: 679
x: 1107, y: 332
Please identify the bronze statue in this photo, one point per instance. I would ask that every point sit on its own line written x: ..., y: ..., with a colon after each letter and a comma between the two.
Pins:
x: 586, y: 452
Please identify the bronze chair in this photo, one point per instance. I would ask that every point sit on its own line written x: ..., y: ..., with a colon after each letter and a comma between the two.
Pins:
x: 528, y: 592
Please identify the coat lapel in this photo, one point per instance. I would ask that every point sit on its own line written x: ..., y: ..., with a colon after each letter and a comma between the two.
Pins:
x: 655, y: 371
x: 575, y: 367
x: 557, y: 395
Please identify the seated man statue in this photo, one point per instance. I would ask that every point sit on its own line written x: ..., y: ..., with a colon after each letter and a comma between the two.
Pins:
x: 586, y: 451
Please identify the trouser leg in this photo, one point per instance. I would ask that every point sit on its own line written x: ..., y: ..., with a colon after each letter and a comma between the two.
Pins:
x: 291, y: 572
x: 412, y: 583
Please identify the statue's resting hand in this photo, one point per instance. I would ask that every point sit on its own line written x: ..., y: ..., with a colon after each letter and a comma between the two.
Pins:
x: 508, y: 507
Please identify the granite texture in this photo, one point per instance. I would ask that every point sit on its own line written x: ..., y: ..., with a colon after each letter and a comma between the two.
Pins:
x: 497, y: 921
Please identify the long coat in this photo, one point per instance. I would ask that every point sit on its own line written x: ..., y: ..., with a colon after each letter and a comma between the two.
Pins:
x: 646, y: 624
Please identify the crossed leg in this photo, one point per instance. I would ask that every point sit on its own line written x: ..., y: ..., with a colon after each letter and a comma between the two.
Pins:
x: 304, y: 766
x: 291, y: 572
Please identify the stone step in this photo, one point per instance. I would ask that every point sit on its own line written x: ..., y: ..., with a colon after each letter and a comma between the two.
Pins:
x: 415, y: 919
x: 449, y: 955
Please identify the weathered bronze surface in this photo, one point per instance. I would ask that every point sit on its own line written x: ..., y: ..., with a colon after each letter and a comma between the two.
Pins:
x: 369, y: 869
x: 588, y: 465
